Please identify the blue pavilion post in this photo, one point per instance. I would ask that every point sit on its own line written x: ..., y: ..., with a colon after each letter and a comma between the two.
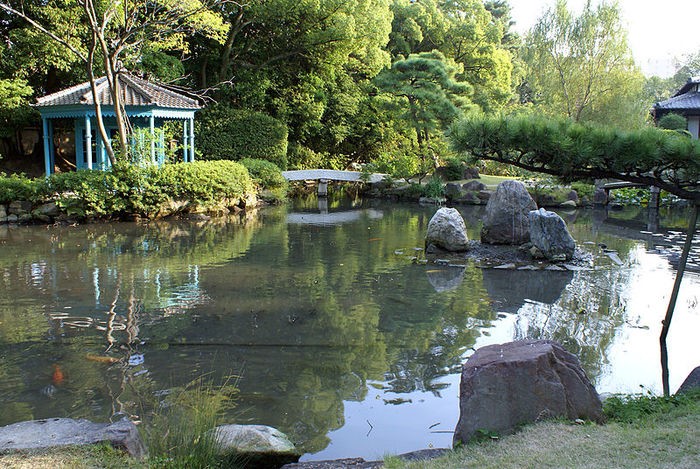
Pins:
x: 152, y: 128
x: 185, y: 137
x: 88, y: 142
x: 191, y: 139
x: 47, y: 147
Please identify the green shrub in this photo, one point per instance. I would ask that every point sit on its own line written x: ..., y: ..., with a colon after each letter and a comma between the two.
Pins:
x: 434, y: 188
x: 224, y: 133
x: 204, y: 182
x: 672, y: 121
x: 454, y: 168
x: 128, y: 188
x: 86, y: 192
x: 265, y: 174
x: 583, y: 189
x: 17, y: 187
x: 639, y: 406
x: 301, y: 157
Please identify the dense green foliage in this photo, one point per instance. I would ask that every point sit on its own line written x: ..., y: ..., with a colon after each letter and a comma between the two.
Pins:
x: 265, y: 174
x: 16, y: 187
x: 128, y: 189
x: 224, y: 133
x: 333, y: 82
x: 425, y: 87
x: 570, y: 150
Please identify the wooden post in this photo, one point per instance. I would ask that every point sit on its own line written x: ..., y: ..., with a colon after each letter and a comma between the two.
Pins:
x: 674, y: 296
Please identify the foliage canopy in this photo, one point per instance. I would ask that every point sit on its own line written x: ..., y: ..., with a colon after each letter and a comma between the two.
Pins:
x: 561, y: 147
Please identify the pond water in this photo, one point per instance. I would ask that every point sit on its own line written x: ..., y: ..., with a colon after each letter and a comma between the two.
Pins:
x: 336, y: 334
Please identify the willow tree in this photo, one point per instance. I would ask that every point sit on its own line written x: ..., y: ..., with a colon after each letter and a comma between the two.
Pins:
x: 117, y: 33
x: 573, y: 151
x: 581, y: 67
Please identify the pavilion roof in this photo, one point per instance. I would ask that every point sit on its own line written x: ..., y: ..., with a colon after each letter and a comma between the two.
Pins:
x: 686, y: 101
x: 135, y: 92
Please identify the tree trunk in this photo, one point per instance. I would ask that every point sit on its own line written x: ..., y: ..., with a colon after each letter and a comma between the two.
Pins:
x: 674, y: 296
x: 98, y: 106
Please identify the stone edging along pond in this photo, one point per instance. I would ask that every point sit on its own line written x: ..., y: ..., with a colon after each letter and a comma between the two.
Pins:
x: 25, y: 212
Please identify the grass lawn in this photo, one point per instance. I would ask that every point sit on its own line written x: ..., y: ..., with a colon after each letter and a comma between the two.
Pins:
x: 490, y: 181
x: 658, y: 437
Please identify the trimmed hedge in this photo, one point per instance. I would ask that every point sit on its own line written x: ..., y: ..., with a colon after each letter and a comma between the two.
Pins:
x: 265, y: 174
x: 129, y: 189
x: 224, y: 133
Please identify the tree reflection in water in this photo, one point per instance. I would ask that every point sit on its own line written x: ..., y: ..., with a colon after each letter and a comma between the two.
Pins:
x: 308, y: 315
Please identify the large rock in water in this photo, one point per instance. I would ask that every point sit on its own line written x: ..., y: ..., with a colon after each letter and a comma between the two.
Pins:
x: 49, y: 433
x: 548, y: 233
x: 257, y: 445
x: 506, y: 220
x: 508, y: 385
x: 447, y: 230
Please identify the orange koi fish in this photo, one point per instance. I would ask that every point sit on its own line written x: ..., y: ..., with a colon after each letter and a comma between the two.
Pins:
x: 101, y: 358
x: 57, y: 375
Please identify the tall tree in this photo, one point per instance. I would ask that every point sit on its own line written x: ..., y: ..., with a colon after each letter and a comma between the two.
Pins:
x: 306, y: 63
x: 465, y: 31
x: 118, y: 32
x: 581, y: 66
x: 424, y: 85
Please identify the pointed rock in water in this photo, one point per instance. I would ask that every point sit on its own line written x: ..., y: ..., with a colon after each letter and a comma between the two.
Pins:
x: 506, y: 220
x: 548, y: 233
x: 447, y: 230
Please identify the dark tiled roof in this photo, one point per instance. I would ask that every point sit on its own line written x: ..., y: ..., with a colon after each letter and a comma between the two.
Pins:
x: 690, y: 100
x: 135, y: 92
x: 690, y: 84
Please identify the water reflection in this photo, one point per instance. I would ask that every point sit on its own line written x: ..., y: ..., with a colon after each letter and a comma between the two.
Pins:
x: 510, y: 289
x: 445, y: 278
x: 319, y: 320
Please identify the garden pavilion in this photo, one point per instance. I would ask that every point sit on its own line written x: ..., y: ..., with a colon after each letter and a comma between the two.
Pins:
x: 147, y: 105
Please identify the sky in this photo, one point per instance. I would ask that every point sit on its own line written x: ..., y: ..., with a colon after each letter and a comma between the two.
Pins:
x: 658, y: 31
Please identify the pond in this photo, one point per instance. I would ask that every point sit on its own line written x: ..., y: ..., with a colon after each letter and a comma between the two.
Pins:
x: 334, y: 330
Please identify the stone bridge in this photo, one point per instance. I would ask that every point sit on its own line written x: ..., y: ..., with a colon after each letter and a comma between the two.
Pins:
x: 323, y: 176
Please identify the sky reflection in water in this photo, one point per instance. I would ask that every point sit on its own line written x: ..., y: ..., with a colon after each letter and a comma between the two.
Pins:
x: 338, y: 336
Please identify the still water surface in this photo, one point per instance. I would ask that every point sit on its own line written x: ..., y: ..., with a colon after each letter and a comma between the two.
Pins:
x: 337, y: 336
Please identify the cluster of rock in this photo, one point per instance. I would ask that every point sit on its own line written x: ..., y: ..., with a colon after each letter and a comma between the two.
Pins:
x: 23, y: 211
x: 511, y: 218
x: 259, y: 445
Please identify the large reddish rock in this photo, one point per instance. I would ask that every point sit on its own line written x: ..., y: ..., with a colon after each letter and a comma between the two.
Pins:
x: 507, y: 385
